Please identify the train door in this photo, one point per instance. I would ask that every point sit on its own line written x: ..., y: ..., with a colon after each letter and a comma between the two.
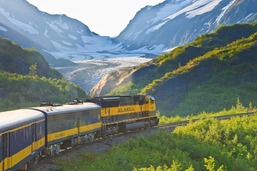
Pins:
x: 33, y: 137
x: 6, y: 151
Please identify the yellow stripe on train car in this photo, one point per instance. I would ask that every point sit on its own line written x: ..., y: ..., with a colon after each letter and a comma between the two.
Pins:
x: 62, y: 134
x: 1, y: 165
x: 19, y: 156
x: 7, y: 163
x: 38, y: 144
x: 90, y: 127
x: 16, y: 158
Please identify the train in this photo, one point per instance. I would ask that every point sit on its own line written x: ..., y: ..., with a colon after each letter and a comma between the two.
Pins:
x: 28, y: 134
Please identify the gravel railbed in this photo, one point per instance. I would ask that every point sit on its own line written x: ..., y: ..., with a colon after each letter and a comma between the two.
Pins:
x: 100, y: 146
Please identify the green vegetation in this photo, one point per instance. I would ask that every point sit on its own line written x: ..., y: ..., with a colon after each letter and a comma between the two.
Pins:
x: 208, y: 74
x: 15, y: 59
x: 26, y: 79
x: 17, y: 91
x: 237, y: 109
x: 204, y: 145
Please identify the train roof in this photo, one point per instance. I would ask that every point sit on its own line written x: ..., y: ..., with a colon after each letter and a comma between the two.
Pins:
x: 55, y: 110
x: 17, y: 118
x: 151, y: 97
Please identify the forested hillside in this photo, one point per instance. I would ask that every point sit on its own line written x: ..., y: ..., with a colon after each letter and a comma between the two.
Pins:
x: 15, y: 59
x: 26, y: 79
x: 208, y: 74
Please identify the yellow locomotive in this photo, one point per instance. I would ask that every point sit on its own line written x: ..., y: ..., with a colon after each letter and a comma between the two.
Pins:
x: 123, y: 113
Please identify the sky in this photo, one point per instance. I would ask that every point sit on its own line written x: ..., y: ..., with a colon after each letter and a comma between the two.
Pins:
x: 104, y: 17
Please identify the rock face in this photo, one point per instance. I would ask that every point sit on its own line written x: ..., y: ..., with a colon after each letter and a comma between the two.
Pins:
x: 177, y: 22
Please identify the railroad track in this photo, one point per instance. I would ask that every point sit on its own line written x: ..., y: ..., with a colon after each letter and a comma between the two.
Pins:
x: 173, y: 125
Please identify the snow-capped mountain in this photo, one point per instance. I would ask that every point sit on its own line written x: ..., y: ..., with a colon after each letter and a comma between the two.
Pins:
x: 153, y: 30
x: 58, y: 35
x: 177, y: 22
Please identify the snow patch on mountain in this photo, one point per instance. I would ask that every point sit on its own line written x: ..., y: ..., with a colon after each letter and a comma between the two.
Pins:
x: 201, y: 7
x: 224, y: 10
x: 46, y: 33
x: 72, y: 37
x: 196, y: 8
x: 25, y: 27
x: 54, y: 27
x: 3, y: 29
x: 169, y: 9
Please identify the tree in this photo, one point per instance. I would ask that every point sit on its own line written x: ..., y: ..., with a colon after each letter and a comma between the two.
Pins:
x: 33, y: 70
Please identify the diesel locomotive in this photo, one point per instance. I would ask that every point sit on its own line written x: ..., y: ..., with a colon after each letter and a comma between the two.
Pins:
x: 27, y: 134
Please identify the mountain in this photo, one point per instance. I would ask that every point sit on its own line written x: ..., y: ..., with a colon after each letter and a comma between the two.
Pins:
x: 54, y: 35
x: 153, y: 30
x: 26, y: 79
x: 177, y: 22
x: 208, y: 74
x: 15, y: 59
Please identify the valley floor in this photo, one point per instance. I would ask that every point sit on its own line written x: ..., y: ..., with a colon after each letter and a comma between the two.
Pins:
x: 89, y: 72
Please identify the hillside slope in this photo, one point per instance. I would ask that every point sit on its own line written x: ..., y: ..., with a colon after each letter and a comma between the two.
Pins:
x: 208, y: 74
x: 26, y: 79
x: 15, y: 59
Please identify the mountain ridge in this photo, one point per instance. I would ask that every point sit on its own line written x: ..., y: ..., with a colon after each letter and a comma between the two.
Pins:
x: 174, y: 23
x: 177, y: 78
x: 153, y: 30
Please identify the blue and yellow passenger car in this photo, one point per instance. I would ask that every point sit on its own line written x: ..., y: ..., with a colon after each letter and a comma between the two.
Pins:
x: 22, y: 137
x: 70, y: 124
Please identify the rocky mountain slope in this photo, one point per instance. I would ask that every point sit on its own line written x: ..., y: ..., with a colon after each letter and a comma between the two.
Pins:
x: 208, y: 74
x: 55, y: 35
x: 153, y: 30
x: 177, y: 22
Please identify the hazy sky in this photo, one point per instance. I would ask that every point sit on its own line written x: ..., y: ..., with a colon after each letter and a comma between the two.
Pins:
x: 105, y: 17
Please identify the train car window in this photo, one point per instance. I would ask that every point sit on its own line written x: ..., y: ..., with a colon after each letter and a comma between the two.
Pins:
x: 23, y: 136
x: 65, y: 122
x: 89, y: 117
x: 126, y: 100
x: 136, y: 99
x: 40, y: 130
x: 139, y: 99
x: 110, y: 103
